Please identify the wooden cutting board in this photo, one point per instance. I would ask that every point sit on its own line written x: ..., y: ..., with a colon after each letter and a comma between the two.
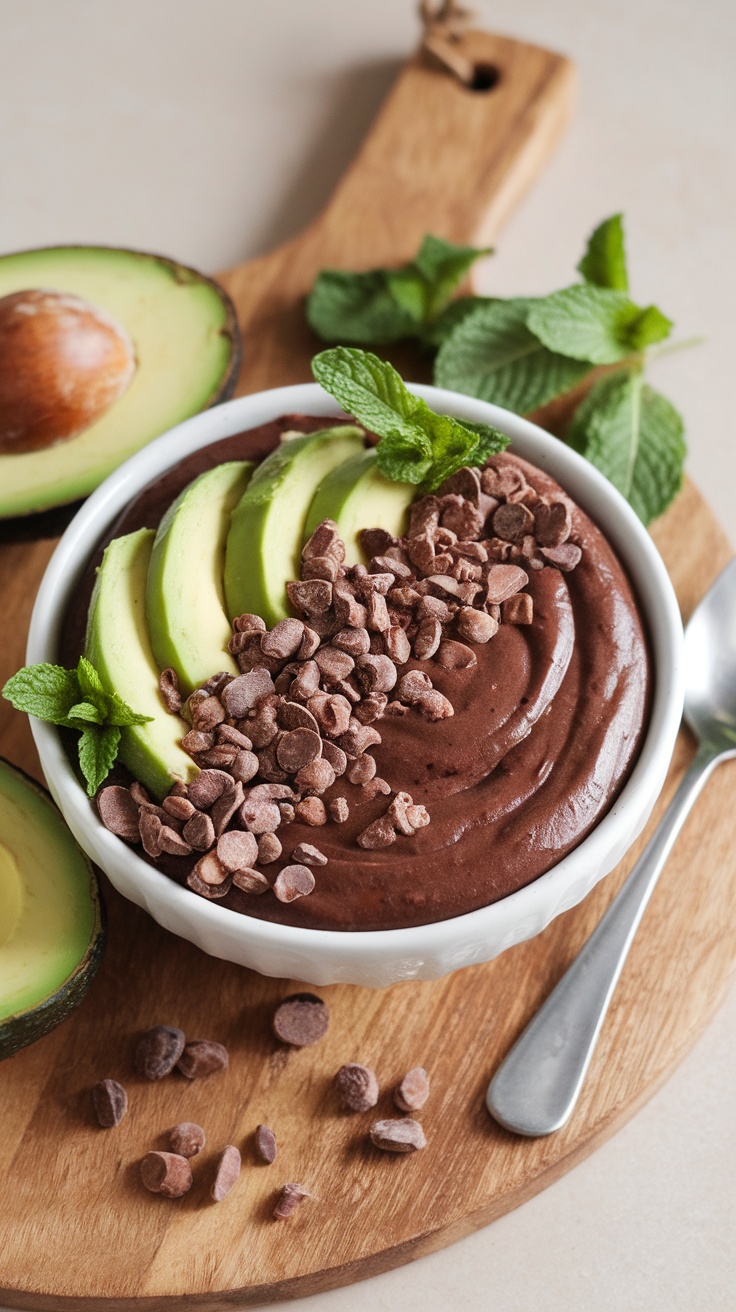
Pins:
x: 77, y: 1231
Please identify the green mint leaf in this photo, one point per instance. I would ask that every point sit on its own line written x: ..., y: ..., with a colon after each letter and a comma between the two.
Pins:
x: 119, y: 713
x: 604, y: 261
x: 97, y: 750
x: 649, y: 327
x: 402, y: 460
x: 83, y: 713
x: 490, y: 440
x: 492, y: 354
x: 635, y: 437
x: 443, y: 266
x: 587, y: 323
x: 90, y: 682
x: 434, y: 334
x: 409, y: 291
x: 372, y: 391
x: 46, y: 691
x: 357, y: 307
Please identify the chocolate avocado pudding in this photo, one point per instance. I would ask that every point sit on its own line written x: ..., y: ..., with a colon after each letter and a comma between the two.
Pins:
x: 491, y: 671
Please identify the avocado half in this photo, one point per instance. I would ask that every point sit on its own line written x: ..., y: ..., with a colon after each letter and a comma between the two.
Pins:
x: 187, y: 350
x: 52, y: 924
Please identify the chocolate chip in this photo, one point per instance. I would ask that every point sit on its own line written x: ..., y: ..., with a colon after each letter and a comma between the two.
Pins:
x: 339, y: 810
x: 172, y: 843
x: 316, y: 777
x: 375, y: 541
x: 228, y: 1170
x: 310, y: 596
x: 334, y: 756
x: 269, y: 849
x: 565, y: 557
x: 291, y: 1196
x: 210, y: 871
x: 150, y: 828
x: 435, y: 706
x: 435, y: 608
x: 398, y: 647
x: 512, y: 521
x: 321, y: 567
x: 371, y: 707
x: 355, y: 642
x: 248, y: 623
x: 202, y: 1057
x: 297, y: 748
x: 348, y: 610
x: 398, y: 1136
x: 518, y: 609
x: 387, y: 565
x: 243, y: 693
x: 374, y: 788
x: 311, y: 811
x: 225, y: 807
x: 265, y: 1144
x: 178, y: 807
x: 207, y: 714
x: 119, y: 813
x: 199, y: 832
x: 332, y: 713
x: 325, y: 541
x: 504, y: 581
x: 359, y: 738
x: 158, y: 1051
x: 357, y: 1086
x: 168, y: 686
x: 475, y: 625
x: 453, y: 655
x: 413, y: 1091
x: 502, y: 481
x: 412, y: 687
x: 379, y: 834
x: 195, y: 742
x: 227, y: 733
x: 110, y: 1103
x: 552, y: 523
x: 377, y: 613
x: 306, y: 682
x: 140, y: 796
x: 209, y: 890
x: 207, y: 787
x: 293, y: 882
x: 284, y: 640
x: 397, y: 813
x: 417, y: 816
x: 250, y: 881
x: 309, y: 855
x: 333, y: 664
x: 428, y: 639
x: 271, y: 792
x: 301, y: 1019
x: 187, y: 1139
x: 361, y: 769
x: 309, y: 644
x: 237, y: 849
x: 166, y: 1173
x: 462, y: 518
x: 464, y: 483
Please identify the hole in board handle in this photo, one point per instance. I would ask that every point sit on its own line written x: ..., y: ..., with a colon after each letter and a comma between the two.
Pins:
x: 485, y: 77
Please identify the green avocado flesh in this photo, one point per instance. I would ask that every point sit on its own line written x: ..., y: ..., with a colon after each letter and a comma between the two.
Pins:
x: 187, y: 351
x: 119, y: 647
x: 51, y: 937
x: 185, y: 599
x: 356, y: 495
x: 268, y: 525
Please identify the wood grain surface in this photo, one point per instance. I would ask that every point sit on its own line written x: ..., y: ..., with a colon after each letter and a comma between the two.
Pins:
x: 77, y: 1231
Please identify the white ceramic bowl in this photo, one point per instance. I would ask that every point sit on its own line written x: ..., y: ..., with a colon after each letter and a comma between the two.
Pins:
x: 382, y: 957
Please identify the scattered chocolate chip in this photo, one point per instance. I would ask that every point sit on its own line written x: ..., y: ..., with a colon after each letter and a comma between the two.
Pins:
x: 158, y: 1051
x: 243, y: 693
x: 269, y: 849
x: 380, y: 833
x: 325, y: 541
x: 227, y: 733
x: 376, y: 673
x: 289, y: 1199
x: 228, y: 1170
x: 357, y: 1086
x: 110, y: 1103
x: 187, y: 1139
x: 199, y: 832
x: 284, y: 640
x: 453, y: 655
x: 237, y: 849
x: 166, y: 1173
x: 178, y: 807
x: 150, y: 827
x: 172, y: 843
x: 249, y: 624
x: 225, y: 807
x: 339, y: 810
x: 475, y: 625
x: 210, y: 871
x: 504, y: 581
x: 250, y: 881
x: 168, y: 686
x: 244, y: 767
x: 552, y: 523
x: 140, y: 796
x: 119, y: 812
x: 503, y: 482
x: 309, y: 855
x: 428, y: 638
x: 292, y: 882
x: 311, y: 811
x: 435, y: 706
x: 413, y: 1091
x: 373, y: 788
x: 417, y: 816
x: 301, y: 1019
x: 511, y: 521
x: 398, y: 1136
x: 518, y: 609
x: 565, y: 557
x: 265, y: 1144
x: 202, y: 1057
x: 297, y: 748
x: 361, y: 769
x: 207, y: 787
x: 334, y: 756
x: 260, y: 815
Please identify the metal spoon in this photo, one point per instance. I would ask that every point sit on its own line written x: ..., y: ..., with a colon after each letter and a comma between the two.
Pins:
x: 536, y: 1087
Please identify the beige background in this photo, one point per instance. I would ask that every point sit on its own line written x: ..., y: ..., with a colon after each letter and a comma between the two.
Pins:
x: 211, y: 130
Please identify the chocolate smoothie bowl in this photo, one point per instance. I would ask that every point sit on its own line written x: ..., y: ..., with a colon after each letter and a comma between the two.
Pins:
x: 456, y: 723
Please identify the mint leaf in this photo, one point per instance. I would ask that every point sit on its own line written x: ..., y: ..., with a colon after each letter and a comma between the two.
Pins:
x: 635, y: 437
x: 409, y: 291
x: 46, y: 691
x: 90, y: 683
x: 649, y: 327
x: 85, y: 712
x: 589, y: 323
x: 417, y: 445
x: 436, y: 333
x: 97, y: 750
x: 493, y: 355
x: 356, y: 307
x: 604, y: 261
x: 443, y: 266
x: 118, y: 712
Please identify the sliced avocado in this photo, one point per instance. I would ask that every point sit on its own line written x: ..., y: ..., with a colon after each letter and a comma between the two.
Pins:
x: 185, y: 596
x: 52, y: 935
x: 356, y: 495
x: 187, y: 350
x: 267, y: 528
x: 119, y: 647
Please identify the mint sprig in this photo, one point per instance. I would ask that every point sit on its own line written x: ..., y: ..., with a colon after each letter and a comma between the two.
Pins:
x: 386, y: 305
x: 417, y: 445
x: 524, y: 352
x: 76, y: 699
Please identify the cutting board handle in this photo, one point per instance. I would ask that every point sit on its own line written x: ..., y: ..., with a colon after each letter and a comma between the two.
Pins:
x: 444, y: 158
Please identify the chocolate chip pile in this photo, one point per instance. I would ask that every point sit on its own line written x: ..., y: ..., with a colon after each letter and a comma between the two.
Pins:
x: 302, y: 713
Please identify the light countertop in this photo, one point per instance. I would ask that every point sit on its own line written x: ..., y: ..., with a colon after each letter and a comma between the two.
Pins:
x: 211, y: 131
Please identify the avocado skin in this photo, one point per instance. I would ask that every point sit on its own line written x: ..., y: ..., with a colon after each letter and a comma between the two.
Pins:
x: 27, y: 1026
x: 181, y: 274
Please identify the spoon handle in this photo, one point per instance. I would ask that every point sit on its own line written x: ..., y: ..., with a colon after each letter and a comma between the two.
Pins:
x: 537, y: 1085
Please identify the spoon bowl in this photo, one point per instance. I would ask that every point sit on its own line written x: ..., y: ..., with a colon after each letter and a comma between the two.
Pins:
x: 710, y: 665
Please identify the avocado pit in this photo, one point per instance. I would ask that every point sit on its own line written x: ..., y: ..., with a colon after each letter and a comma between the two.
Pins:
x: 63, y: 363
